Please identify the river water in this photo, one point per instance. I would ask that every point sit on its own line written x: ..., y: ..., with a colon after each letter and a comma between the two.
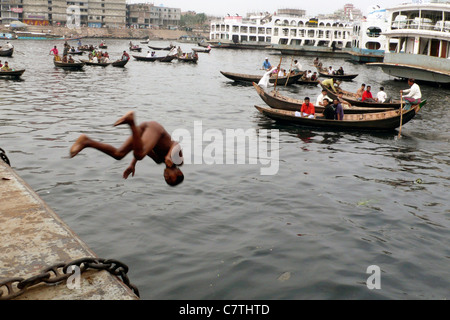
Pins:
x: 338, y: 203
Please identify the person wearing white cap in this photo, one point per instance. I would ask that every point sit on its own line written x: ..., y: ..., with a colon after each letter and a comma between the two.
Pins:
x: 266, y: 64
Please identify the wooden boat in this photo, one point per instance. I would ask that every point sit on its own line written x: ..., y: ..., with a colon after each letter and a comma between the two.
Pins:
x: 103, y: 46
x: 345, y: 77
x: 159, y: 48
x: 353, y: 100
x: 69, y: 66
x: 119, y: 63
x: 12, y: 73
x: 87, y: 48
x: 136, y: 48
x: 188, y: 59
x: 79, y: 52
x: 7, y: 52
x: 277, y: 101
x: 201, y: 50
x: 380, y: 121
x: 247, y: 78
x: 152, y: 59
x: 98, y: 64
x: 308, y: 82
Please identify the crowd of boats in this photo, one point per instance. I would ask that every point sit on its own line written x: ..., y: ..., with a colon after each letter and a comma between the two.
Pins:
x: 358, y: 111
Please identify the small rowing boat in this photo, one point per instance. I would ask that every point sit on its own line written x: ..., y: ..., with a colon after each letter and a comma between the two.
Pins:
x: 247, y: 78
x: 69, y: 65
x: 98, y: 64
x: 6, y: 52
x: 119, y: 63
x: 277, y: 101
x: 380, y: 121
x: 152, y: 59
x: 12, y: 73
x: 353, y: 100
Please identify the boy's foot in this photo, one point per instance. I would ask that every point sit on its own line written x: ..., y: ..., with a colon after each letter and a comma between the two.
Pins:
x: 126, y: 119
x: 78, y: 145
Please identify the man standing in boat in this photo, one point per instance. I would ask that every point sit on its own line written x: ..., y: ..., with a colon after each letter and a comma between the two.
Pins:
x: 414, y: 95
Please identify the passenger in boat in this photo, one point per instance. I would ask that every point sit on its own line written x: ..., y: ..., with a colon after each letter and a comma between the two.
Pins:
x: 329, y: 112
x: 367, y: 95
x: 344, y: 103
x: 316, y: 61
x: 5, y: 67
x: 323, y: 96
x: 297, y: 66
x: 125, y: 56
x: 331, y: 83
x: 264, y: 82
x: 70, y: 60
x: 64, y: 59
x: 266, y: 64
x: 307, y: 110
x: 340, y: 71
x: 153, y: 53
x: 314, y: 76
x: 149, y: 54
x: 95, y: 59
x: 8, y: 45
x: 1, y: 64
x: 339, y: 110
x: 147, y: 139
x: 360, y: 91
x: 414, y: 95
x: 381, y: 96
x: 308, y: 75
x: 331, y: 71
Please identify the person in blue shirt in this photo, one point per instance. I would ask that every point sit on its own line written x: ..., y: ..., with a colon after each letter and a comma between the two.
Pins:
x: 266, y: 64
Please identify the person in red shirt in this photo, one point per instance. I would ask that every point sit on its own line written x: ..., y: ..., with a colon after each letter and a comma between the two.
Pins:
x: 308, y: 109
x: 367, y: 95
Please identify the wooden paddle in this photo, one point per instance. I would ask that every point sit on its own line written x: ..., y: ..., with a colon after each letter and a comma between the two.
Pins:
x: 401, y: 115
x: 278, y: 71
x: 290, y: 70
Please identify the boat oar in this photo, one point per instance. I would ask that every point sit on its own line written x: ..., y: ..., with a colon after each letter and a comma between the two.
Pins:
x: 290, y: 70
x: 401, y: 115
x: 278, y: 71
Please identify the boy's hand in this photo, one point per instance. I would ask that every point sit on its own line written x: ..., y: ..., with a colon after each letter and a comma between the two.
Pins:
x: 127, y: 172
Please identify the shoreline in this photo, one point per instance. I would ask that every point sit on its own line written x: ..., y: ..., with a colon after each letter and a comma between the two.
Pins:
x: 112, y: 33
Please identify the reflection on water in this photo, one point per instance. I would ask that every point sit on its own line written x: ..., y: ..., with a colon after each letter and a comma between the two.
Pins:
x: 340, y: 202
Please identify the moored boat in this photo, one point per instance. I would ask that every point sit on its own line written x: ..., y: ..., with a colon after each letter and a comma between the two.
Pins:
x: 201, y: 50
x: 248, y: 78
x: 380, y: 121
x: 418, y: 42
x: 277, y: 101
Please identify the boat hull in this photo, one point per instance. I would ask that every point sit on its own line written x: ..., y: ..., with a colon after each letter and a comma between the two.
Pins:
x: 246, y: 78
x: 381, y: 121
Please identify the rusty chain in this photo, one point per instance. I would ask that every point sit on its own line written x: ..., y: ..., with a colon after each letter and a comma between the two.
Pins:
x: 58, y: 273
x: 4, y: 157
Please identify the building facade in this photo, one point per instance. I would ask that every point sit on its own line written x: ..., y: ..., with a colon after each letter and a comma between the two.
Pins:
x: 92, y: 13
x: 145, y: 15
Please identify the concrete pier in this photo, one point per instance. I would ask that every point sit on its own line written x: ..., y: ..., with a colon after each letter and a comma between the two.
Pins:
x: 33, y: 238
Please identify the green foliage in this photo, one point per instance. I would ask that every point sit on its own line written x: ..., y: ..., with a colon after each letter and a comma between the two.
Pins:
x: 189, y: 20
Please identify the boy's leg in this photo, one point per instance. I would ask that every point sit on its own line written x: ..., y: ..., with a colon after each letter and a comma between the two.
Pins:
x: 117, y: 153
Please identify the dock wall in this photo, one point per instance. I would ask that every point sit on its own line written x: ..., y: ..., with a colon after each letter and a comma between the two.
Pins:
x: 33, y: 237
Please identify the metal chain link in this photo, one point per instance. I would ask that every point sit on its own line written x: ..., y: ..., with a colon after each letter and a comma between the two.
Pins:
x: 58, y: 273
x: 4, y: 157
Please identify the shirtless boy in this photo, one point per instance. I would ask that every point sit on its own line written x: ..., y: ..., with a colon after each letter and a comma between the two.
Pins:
x: 147, y: 139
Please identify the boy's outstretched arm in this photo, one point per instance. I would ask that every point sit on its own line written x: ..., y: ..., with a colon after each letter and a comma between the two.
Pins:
x: 131, y: 169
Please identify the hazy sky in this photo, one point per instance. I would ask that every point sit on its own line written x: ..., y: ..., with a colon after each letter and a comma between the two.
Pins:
x: 221, y: 8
